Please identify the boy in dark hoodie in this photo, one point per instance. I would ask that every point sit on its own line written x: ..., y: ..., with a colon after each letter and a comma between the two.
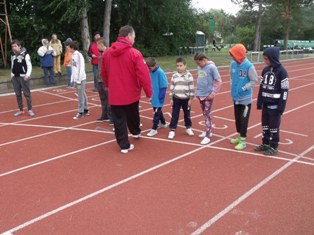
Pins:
x: 243, y: 79
x: 21, y: 69
x: 272, y: 99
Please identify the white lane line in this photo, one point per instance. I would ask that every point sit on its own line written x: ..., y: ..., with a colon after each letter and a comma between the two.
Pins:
x: 46, y: 133
x: 61, y: 208
x: 247, y: 194
x: 55, y: 158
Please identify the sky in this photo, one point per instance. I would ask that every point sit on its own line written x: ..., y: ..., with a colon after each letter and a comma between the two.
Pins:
x: 226, y: 5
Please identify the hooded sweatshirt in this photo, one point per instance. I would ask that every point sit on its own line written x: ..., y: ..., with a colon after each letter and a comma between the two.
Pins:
x: 21, y: 65
x: 243, y: 76
x: 273, y: 92
x: 125, y: 73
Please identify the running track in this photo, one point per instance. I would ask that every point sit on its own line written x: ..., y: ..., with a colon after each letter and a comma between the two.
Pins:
x: 65, y: 176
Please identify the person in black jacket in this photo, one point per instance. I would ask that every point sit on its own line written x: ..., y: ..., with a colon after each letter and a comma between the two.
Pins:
x: 21, y: 69
x: 272, y: 99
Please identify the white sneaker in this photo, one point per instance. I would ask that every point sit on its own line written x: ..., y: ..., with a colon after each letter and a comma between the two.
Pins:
x: 127, y: 150
x: 136, y: 136
x: 189, y: 131
x: 206, y: 140
x: 171, y: 135
x: 203, y: 134
x: 152, y: 132
x: 162, y: 125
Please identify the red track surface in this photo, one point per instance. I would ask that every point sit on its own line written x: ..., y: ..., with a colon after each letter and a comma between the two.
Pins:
x: 65, y: 176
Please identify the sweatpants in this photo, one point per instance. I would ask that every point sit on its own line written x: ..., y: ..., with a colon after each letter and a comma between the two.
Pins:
x: 82, y: 97
x: 158, y: 117
x: 242, y: 115
x: 271, y: 120
x: 126, y: 117
x: 176, y: 106
x: 103, y: 96
x: 19, y: 85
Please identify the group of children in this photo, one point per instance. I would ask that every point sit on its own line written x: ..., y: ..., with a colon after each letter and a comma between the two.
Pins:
x: 272, y: 97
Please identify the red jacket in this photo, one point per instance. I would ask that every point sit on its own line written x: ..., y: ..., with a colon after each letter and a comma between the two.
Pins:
x: 94, y: 50
x: 125, y: 73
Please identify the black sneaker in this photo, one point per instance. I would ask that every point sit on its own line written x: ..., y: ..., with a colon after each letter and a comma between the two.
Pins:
x: 86, y: 112
x: 270, y: 151
x: 261, y: 148
x: 78, y: 116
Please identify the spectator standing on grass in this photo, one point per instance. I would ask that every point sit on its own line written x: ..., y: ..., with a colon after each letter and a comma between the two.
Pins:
x: 46, y: 54
x: 125, y: 73
x: 79, y: 78
x: 207, y: 86
x: 181, y: 96
x: 272, y: 99
x: 159, y: 85
x: 67, y: 63
x: 102, y: 90
x: 55, y: 43
x: 94, y: 53
x: 243, y: 79
x: 21, y: 69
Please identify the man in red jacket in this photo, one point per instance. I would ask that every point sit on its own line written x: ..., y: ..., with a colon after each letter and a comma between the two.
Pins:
x: 125, y: 73
x: 94, y: 53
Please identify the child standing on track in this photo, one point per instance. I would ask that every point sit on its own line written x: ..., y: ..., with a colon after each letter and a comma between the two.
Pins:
x: 102, y: 90
x: 159, y: 85
x: 243, y: 79
x: 208, y: 85
x: 272, y: 99
x: 181, y: 95
x: 79, y: 78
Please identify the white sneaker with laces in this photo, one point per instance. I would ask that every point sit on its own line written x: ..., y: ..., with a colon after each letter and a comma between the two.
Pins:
x: 203, y: 134
x: 171, y: 135
x: 189, y: 131
x: 127, y: 150
x: 206, y: 140
x: 152, y: 132
x: 136, y: 136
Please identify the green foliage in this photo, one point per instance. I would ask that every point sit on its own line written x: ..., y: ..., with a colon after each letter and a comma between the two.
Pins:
x: 244, y: 35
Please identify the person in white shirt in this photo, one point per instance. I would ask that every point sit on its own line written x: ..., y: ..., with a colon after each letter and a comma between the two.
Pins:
x: 79, y: 78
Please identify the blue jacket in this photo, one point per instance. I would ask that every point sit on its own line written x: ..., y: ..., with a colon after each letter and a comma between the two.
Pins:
x: 159, y: 84
x: 47, y: 59
x: 240, y: 77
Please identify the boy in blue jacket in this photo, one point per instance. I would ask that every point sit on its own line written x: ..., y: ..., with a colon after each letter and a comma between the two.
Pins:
x: 159, y: 85
x: 243, y: 79
x: 272, y: 99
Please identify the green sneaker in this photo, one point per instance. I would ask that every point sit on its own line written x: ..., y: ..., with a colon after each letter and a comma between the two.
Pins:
x: 235, y: 140
x: 241, y: 145
x: 270, y: 151
x: 261, y: 148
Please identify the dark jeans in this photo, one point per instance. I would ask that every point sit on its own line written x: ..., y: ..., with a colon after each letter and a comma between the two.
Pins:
x: 105, y: 107
x: 158, y: 117
x: 177, y: 104
x: 242, y: 115
x: 95, y: 73
x: 126, y: 117
x: 49, y: 79
x: 69, y: 73
x: 271, y: 120
x: 19, y: 85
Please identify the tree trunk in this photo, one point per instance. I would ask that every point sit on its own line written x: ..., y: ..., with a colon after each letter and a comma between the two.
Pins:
x: 257, y: 40
x: 107, y: 18
x: 85, y: 31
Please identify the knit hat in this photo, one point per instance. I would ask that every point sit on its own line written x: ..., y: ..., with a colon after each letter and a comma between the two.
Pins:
x: 67, y: 41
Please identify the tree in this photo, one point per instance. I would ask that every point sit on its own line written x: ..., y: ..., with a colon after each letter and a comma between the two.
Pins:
x: 107, y: 18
